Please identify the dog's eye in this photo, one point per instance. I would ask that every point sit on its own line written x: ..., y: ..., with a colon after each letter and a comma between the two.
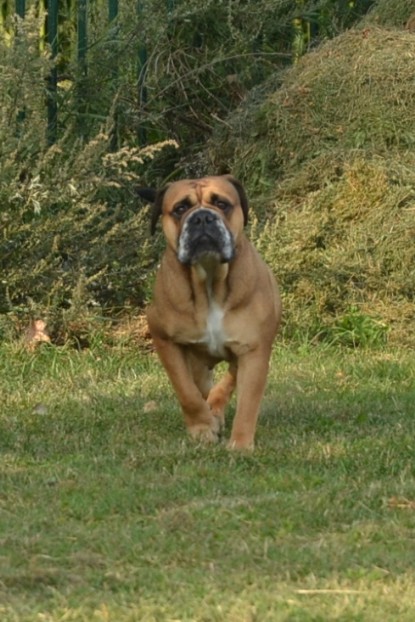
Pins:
x: 222, y: 204
x: 180, y: 209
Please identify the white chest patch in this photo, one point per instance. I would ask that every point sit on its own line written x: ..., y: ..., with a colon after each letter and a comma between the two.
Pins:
x: 214, y: 336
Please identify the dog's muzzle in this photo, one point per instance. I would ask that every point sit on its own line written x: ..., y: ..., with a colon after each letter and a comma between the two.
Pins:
x: 205, y: 234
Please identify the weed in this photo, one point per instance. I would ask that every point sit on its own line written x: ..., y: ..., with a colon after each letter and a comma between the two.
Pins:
x: 356, y: 329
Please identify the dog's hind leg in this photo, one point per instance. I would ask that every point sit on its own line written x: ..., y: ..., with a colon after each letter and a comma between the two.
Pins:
x: 221, y: 393
x: 201, y: 374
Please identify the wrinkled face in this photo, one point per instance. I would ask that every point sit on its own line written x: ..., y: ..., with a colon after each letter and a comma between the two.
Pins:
x: 203, y: 218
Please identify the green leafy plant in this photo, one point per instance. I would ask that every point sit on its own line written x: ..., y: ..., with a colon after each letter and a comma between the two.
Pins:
x: 356, y: 329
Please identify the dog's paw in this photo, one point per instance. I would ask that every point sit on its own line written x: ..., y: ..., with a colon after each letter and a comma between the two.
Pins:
x: 206, y: 433
x: 219, y: 416
x: 241, y: 445
x: 219, y: 396
x: 217, y: 408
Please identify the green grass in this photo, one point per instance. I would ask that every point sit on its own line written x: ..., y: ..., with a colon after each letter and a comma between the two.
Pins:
x: 108, y: 513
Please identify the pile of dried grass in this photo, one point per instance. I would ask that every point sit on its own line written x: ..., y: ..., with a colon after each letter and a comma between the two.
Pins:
x: 348, y: 245
x: 395, y: 13
x: 355, y: 92
x: 331, y: 149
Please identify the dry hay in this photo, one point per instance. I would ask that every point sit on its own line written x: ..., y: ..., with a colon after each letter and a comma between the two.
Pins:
x: 330, y: 154
x: 395, y: 13
x: 355, y: 92
x: 348, y: 245
x: 133, y: 330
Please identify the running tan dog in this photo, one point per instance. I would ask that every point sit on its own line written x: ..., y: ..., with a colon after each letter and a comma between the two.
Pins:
x: 214, y: 300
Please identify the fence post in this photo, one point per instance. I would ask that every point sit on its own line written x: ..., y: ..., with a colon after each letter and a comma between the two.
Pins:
x: 112, y: 15
x: 21, y: 8
x: 82, y: 34
x: 82, y: 64
x: 112, y: 9
x: 20, y: 11
x: 141, y: 87
x: 52, y: 82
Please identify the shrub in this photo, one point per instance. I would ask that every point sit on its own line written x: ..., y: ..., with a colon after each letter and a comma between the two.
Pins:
x: 74, y: 244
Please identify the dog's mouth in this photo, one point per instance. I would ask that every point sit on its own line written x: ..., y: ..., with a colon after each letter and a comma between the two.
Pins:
x: 205, y: 236
x: 205, y: 245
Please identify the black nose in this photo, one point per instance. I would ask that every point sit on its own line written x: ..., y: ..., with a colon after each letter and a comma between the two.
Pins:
x: 203, y: 217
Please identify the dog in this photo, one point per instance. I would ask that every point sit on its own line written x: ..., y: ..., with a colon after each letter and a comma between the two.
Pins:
x: 214, y: 300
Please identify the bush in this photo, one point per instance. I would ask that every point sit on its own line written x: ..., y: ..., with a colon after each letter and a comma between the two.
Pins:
x: 74, y: 244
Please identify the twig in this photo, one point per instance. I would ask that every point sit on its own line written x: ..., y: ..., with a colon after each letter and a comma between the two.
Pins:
x: 330, y: 591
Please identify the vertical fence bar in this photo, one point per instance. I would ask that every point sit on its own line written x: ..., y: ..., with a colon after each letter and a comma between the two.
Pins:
x: 82, y: 35
x: 82, y: 64
x: 112, y: 9
x: 20, y: 11
x: 112, y: 16
x: 21, y: 8
x: 52, y: 82
x: 141, y: 86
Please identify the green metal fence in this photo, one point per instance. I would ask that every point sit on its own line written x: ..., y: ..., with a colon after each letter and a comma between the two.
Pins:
x: 52, y: 38
x: 303, y: 24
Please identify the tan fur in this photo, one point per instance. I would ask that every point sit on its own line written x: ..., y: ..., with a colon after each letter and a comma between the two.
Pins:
x: 188, y: 298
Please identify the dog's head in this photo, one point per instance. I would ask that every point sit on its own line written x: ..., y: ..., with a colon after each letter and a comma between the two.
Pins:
x: 200, y: 217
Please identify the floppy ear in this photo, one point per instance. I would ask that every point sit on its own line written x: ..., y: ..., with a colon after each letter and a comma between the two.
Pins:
x: 242, y: 195
x: 156, y: 197
x: 148, y: 194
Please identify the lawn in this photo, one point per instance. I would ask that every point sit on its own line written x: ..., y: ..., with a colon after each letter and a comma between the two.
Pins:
x: 109, y: 513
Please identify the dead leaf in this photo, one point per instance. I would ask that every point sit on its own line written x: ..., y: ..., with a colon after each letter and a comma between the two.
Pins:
x: 401, y: 503
x: 150, y: 407
x: 36, y: 333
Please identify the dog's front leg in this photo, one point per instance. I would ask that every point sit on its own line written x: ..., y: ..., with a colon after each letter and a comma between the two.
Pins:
x: 251, y: 381
x: 200, y: 422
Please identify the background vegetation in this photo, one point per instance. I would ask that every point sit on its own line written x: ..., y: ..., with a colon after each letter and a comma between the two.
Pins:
x: 316, y: 119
